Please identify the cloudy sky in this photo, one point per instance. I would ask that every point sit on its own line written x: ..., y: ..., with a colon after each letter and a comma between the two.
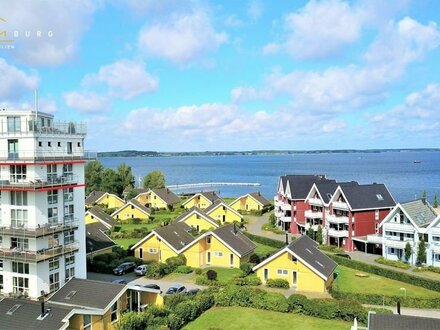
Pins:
x: 176, y: 75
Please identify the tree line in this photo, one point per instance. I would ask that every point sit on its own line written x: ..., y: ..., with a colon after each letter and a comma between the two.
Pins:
x: 99, y: 178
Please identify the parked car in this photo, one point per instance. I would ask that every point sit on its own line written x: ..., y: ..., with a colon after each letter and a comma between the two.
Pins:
x: 192, y: 292
x: 141, y: 270
x: 149, y: 286
x: 175, y: 289
x: 343, y: 255
x: 120, y: 281
x: 123, y: 268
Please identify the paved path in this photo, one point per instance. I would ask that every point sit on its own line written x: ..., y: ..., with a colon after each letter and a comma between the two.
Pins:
x: 254, y: 227
x: 434, y: 313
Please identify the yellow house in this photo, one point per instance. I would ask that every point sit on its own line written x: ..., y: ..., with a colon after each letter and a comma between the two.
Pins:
x: 158, y: 198
x: 201, y: 200
x: 104, y: 198
x: 197, y: 219
x: 250, y: 202
x: 302, y: 264
x: 132, y: 209
x: 223, y: 213
x: 222, y: 247
x: 96, y: 214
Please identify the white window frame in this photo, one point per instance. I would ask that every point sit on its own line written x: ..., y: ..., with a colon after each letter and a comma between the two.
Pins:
x: 152, y: 250
x: 282, y: 272
x: 218, y: 254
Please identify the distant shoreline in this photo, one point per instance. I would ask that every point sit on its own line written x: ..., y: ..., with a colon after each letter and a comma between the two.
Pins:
x: 136, y: 153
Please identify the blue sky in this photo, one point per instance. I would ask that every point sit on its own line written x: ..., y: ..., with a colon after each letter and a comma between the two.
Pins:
x: 227, y: 75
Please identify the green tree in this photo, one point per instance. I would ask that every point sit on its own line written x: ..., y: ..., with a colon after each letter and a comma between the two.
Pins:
x: 319, y: 235
x: 111, y: 182
x: 408, y: 251
x: 311, y: 232
x: 421, y: 252
x: 272, y: 220
x: 125, y: 175
x: 424, y: 194
x: 435, y: 200
x: 154, y: 179
x: 93, y: 175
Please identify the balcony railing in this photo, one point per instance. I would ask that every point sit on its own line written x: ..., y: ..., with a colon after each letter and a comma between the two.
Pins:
x: 374, y: 239
x: 337, y: 233
x: 40, y: 231
x: 340, y: 205
x: 38, y: 183
x: 286, y: 207
x: 37, y: 256
x: 399, y: 227
x: 315, y: 201
x: 313, y: 214
x: 30, y: 126
x: 47, y: 155
x: 286, y: 219
x: 338, y: 219
x: 396, y: 243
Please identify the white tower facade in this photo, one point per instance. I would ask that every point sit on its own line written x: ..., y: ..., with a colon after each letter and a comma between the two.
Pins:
x: 42, y: 229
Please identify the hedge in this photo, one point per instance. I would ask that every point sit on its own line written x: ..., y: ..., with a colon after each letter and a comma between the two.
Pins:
x: 389, y: 273
x: 392, y: 263
x: 277, y: 283
x: 183, y: 269
x: 159, y: 269
x: 105, y: 263
x: 251, y: 280
x: 266, y: 241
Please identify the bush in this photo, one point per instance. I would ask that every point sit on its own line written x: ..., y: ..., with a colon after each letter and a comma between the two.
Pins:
x: 246, y: 268
x: 174, y: 262
x: 202, y: 280
x: 254, y: 259
x: 277, y: 283
x: 211, y: 275
x: 428, y: 268
x: 393, y: 263
x: 156, y: 270
x: 184, y: 269
x: 389, y: 273
x: 198, y: 271
x: 331, y: 248
x: 265, y: 240
x: 296, y: 302
x: 251, y: 280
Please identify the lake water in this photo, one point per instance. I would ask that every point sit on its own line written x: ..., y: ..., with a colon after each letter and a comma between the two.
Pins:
x: 404, y: 178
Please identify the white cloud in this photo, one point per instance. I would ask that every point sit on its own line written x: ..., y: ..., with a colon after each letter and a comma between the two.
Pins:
x: 271, y: 48
x: 233, y: 21
x: 67, y: 20
x: 255, y: 9
x: 247, y: 93
x: 181, y: 38
x: 15, y: 83
x: 88, y: 102
x: 124, y: 78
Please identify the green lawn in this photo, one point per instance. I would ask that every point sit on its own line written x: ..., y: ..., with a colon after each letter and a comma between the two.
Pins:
x: 248, y: 318
x: 224, y: 274
x: 126, y: 242
x: 262, y: 249
x: 131, y: 226
x: 229, y: 200
x: 349, y: 282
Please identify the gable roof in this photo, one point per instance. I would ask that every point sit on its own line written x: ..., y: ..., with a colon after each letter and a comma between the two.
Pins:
x: 167, y: 196
x: 25, y: 317
x: 306, y: 250
x: 420, y: 212
x: 366, y: 196
x: 217, y: 204
x: 327, y: 189
x: 231, y: 236
x: 211, y: 196
x: 198, y: 211
x: 94, y: 196
x: 136, y: 204
x: 98, y: 213
x: 260, y: 198
x: 88, y: 293
x: 96, y: 238
x: 300, y: 185
x: 401, y: 322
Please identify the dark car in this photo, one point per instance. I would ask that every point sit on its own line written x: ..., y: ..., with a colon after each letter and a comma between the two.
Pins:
x: 125, y: 267
x: 176, y: 289
x: 192, y: 292
x: 120, y: 281
x: 343, y: 255
x: 150, y: 286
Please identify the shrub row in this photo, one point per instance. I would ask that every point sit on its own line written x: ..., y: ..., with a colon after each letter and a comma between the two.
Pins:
x: 159, y: 269
x: 389, y: 273
x: 392, y: 263
x: 105, y: 263
x: 331, y: 248
x: 183, y: 269
x: 269, y: 227
x: 277, y: 283
x: 135, y: 233
x: 427, y: 268
x: 265, y: 240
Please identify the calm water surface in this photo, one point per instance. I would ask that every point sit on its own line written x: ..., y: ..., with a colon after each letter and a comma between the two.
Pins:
x: 397, y: 170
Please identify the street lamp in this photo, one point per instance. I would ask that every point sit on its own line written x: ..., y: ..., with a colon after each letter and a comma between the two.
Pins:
x: 404, y: 289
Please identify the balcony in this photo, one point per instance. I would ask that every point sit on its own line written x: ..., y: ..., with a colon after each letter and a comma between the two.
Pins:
x: 308, y: 225
x: 34, y: 232
x: 286, y: 219
x: 30, y: 126
x: 315, y: 201
x: 337, y: 233
x: 398, y: 227
x: 435, y: 231
x: 337, y: 219
x: 435, y: 247
x: 313, y: 214
x: 374, y: 239
x: 38, y: 256
x: 396, y: 243
x: 286, y: 207
x: 38, y: 183
x: 340, y: 205
x: 46, y: 155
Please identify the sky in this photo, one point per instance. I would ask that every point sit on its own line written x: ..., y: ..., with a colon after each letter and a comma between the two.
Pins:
x: 176, y: 75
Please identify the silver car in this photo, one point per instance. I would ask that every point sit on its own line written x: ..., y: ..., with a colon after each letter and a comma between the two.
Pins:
x: 141, y: 270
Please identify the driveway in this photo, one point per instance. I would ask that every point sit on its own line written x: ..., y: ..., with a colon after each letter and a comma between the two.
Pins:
x: 254, y: 227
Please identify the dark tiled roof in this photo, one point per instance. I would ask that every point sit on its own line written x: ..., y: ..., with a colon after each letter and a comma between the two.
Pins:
x: 191, y: 210
x: 94, y: 196
x: 260, y: 198
x: 214, y: 205
x: 177, y: 235
x: 327, y: 189
x: 25, y: 317
x: 96, y: 239
x: 167, y: 196
x: 300, y: 185
x: 140, y: 206
x: 367, y: 196
x: 88, y: 293
x: 307, y: 249
x: 401, y: 322
x: 233, y: 237
x: 210, y: 195
x: 419, y: 212
x: 97, y: 212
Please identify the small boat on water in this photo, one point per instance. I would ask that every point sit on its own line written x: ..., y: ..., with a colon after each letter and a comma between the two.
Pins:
x: 417, y: 161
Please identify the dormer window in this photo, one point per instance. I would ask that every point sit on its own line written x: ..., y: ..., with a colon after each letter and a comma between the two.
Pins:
x: 379, y: 197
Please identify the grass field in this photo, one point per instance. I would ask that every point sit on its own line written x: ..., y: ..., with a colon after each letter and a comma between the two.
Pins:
x: 224, y: 274
x: 229, y: 200
x: 131, y: 226
x: 349, y: 282
x: 126, y: 242
x: 262, y: 249
x: 239, y: 318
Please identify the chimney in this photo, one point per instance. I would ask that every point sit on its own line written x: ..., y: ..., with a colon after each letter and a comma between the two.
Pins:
x: 287, y: 239
x: 235, y: 229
